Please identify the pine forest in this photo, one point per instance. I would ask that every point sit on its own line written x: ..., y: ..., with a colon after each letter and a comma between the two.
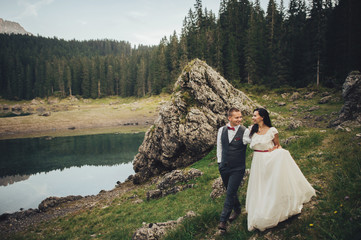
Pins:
x: 313, y: 42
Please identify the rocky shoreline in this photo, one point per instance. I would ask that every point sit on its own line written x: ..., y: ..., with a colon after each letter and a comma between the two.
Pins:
x: 54, y: 207
x: 92, y: 119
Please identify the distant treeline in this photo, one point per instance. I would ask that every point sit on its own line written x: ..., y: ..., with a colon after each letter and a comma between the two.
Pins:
x: 312, y: 42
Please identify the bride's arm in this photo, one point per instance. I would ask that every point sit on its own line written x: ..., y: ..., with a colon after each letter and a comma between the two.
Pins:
x: 276, y: 142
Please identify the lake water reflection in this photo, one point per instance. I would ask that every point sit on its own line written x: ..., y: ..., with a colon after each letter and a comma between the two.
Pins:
x: 36, y: 168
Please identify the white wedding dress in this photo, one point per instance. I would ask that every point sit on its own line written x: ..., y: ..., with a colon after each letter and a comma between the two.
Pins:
x: 277, y: 188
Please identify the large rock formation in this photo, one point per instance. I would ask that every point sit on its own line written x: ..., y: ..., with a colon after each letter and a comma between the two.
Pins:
x: 351, y: 93
x: 186, y: 127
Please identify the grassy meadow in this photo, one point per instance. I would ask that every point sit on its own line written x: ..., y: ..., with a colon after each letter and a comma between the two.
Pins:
x: 329, y: 159
x: 71, y: 117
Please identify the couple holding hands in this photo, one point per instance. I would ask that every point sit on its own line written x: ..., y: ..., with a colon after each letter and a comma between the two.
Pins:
x: 276, y: 189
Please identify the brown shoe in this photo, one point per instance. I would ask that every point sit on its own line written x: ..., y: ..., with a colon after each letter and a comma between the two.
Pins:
x: 234, y: 216
x: 222, y: 226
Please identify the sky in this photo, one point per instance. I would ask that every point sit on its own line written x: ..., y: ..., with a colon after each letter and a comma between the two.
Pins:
x: 143, y: 22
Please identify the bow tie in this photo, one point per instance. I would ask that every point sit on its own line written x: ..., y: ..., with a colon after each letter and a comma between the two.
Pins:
x: 231, y: 128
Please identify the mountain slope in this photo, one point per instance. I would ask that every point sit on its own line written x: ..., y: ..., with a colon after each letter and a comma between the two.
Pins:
x: 9, y: 27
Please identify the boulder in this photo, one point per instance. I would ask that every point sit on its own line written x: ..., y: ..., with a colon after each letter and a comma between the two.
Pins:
x: 343, y: 129
x: 153, y: 231
x: 307, y: 116
x: 321, y: 118
x: 73, y: 99
x: 44, y: 114
x: 5, y: 107
x: 51, y: 202
x: 170, y: 183
x: 266, y: 97
x: 154, y: 194
x: 284, y: 95
x: 324, y: 94
x: 295, y: 96
x: 325, y: 99
x: 310, y: 95
x: 176, y: 176
x: 16, y: 107
x: 186, y: 127
x: 218, y: 188
x: 53, y: 100
x: 294, y: 108
x: 313, y: 108
x: 351, y: 92
x: 294, y: 124
x: 35, y: 102
x: 290, y: 140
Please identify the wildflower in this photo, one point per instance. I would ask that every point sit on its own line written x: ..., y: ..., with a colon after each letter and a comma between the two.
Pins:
x: 341, y: 205
x: 335, y: 212
x: 347, y: 197
x: 311, y: 225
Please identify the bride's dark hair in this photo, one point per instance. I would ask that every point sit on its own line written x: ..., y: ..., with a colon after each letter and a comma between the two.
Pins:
x: 266, y: 120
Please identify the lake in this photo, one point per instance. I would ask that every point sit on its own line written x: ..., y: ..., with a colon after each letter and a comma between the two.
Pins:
x: 33, y: 169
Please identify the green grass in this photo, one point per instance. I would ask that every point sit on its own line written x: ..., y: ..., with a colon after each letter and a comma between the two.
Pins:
x: 334, y: 171
x: 330, y: 160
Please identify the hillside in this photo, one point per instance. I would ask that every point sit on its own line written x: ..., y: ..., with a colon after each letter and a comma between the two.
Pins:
x: 330, y: 159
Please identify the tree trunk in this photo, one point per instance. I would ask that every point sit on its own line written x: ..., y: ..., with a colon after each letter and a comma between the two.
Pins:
x: 99, y: 89
x: 318, y: 69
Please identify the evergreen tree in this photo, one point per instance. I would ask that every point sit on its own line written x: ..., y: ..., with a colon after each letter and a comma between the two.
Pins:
x: 275, y: 67
x: 161, y: 73
x: 343, y: 41
x: 173, y: 57
x: 28, y: 83
x: 296, y: 43
x: 110, y: 80
x: 95, y: 90
x: 85, y: 79
x: 255, y: 47
x: 141, y: 79
x: 317, y: 26
x: 67, y: 79
x: 183, y: 51
x: 60, y: 79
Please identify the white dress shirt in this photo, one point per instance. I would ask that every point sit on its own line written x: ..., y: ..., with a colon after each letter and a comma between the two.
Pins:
x: 246, y: 139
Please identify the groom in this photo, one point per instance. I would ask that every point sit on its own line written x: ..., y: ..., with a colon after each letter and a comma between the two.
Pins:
x: 232, y: 142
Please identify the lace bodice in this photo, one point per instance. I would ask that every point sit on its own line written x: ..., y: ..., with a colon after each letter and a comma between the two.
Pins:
x: 263, y: 142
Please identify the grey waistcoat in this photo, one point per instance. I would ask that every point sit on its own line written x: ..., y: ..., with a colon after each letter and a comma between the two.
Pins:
x: 234, y: 152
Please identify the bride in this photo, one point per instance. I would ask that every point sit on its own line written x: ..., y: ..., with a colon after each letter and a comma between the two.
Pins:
x: 277, y: 188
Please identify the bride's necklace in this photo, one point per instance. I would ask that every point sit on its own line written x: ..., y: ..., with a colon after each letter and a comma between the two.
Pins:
x: 261, y: 130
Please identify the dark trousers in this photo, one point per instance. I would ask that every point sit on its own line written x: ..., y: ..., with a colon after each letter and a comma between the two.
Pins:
x: 232, y: 179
